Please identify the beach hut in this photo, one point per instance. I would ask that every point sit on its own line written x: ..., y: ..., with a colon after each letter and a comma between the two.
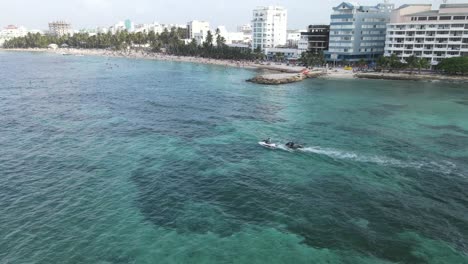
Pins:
x: 52, y: 46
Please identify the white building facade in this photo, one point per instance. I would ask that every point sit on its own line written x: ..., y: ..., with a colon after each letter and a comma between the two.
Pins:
x: 293, y: 37
x: 286, y: 53
x: 120, y: 26
x: 11, y: 32
x: 157, y: 27
x: 247, y: 33
x: 198, y: 30
x: 269, y: 27
x: 60, y: 28
x: 417, y: 30
x: 233, y: 37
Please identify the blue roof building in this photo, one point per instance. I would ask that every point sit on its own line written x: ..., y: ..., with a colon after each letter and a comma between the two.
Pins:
x: 358, y: 32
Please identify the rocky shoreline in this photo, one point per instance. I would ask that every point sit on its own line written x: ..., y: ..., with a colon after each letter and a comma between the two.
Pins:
x: 284, y: 78
x: 411, y: 77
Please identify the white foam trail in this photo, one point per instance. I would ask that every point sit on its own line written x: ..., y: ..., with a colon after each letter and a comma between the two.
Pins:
x: 445, y: 167
x: 283, y: 147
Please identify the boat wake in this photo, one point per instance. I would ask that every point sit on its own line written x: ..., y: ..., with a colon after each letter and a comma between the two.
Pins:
x: 443, y: 167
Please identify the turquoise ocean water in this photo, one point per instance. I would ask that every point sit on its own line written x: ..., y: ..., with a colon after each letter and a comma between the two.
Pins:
x: 132, y: 161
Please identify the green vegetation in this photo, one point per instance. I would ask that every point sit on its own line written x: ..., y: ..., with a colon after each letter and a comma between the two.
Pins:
x: 455, y: 66
x: 310, y: 59
x: 169, y: 42
x: 393, y: 63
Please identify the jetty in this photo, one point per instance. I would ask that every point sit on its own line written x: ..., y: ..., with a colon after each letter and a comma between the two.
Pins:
x: 284, y: 78
x: 283, y: 74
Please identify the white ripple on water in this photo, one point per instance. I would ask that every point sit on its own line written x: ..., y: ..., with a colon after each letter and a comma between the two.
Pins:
x: 444, y: 167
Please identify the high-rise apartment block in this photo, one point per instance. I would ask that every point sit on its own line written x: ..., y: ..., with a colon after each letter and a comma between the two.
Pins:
x: 358, y: 32
x: 417, y: 30
x: 269, y: 27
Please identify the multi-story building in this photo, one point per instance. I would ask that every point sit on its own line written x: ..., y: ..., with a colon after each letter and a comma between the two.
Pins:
x: 120, y: 26
x: 358, y: 32
x: 247, y: 33
x: 60, y: 28
x: 315, y: 40
x: 198, y: 30
x: 245, y: 28
x: 287, y: 54
x: 10, y: 32
x: 417, y: 30
x: 156, y: 27
x: 269, y: 27
x: 293, y: 37
x: 231, y: 37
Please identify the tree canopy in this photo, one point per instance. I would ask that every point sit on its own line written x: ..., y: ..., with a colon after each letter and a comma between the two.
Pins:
x: 169, y: 40
x: 457, y: 65
x: 310, y: 59
x: 393, y: 63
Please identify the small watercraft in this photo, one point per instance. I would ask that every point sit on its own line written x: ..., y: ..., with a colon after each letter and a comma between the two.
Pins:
x: 294, y: 146
x: 268, y: 145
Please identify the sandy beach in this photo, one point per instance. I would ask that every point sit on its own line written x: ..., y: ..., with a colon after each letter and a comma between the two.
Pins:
x: 136, y: 54
x: 271, y: 68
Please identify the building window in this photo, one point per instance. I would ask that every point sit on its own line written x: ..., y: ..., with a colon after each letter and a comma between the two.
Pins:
x: 445, y: 18
x: 422, y: 18
x: 459, y: 18
x: 432, y: 18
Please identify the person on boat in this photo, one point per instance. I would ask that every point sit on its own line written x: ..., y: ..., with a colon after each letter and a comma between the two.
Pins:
x: 267, y: 141
x: 293, y: 145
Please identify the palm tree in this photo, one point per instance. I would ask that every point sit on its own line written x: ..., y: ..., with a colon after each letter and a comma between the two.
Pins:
x: 383, y: 62
x: 411, y: 62
x: 220, y: 40
x: 422, y: 63
x: 209, y: 40
x: 394, y: 62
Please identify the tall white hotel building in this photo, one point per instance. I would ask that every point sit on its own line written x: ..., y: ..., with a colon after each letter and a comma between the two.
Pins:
x: 269, y: 27
x: 432, y: 34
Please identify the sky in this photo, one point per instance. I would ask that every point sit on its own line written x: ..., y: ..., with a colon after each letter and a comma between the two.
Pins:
x: 35, y: 14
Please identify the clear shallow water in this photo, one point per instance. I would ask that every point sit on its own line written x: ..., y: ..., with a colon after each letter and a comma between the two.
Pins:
x: 126, y: 161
